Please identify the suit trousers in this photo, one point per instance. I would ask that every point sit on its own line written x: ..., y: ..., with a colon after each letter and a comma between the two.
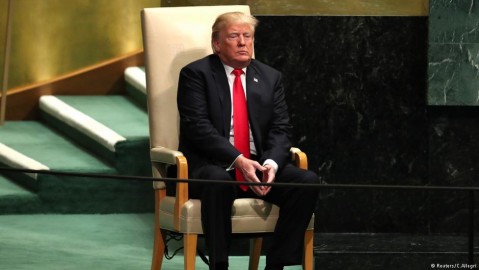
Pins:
x: 288, y: 236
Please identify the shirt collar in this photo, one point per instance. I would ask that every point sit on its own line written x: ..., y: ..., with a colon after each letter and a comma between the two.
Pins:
x: 229, y: 69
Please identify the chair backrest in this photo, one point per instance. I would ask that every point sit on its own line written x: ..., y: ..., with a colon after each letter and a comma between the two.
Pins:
x: 172, y: 38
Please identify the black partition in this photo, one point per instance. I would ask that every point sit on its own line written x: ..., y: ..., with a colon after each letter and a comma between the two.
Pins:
x: 357, y: 92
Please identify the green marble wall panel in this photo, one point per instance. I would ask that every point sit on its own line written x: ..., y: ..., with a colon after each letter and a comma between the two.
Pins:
x: 453, y: 70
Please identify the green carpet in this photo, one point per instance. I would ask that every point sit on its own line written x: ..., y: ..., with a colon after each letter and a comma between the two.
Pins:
x: 63, y: 148
x: 66, y: 194
x: 94, y: 242
x: 120, y: 114
x: 75, y: 241
x: 117, y: 112
x: 8, y: 188
x: 17, y: 200
x: 50, y: 148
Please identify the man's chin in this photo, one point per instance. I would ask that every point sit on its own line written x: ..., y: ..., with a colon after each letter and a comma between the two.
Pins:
x: 238, y: 62
x: 244, y: 61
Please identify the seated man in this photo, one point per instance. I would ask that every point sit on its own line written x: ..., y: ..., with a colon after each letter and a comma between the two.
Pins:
x: 234, y: 125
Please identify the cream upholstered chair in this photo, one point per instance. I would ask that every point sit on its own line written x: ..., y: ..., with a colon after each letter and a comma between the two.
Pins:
x: 172, y: 38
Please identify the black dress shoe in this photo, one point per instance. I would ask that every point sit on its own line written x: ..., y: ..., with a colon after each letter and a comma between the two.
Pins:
x: 221, y: 266
x: 273, y: 267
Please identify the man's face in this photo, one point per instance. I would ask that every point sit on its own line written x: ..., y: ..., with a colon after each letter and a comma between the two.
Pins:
x: 234, y: 45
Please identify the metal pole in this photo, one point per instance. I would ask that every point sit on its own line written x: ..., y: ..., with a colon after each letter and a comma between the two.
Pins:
x: 6, y: 63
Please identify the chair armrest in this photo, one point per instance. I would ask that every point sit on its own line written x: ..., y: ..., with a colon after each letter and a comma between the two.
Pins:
x: 163, y: 155
x: 161, y: 158
x: 299, y: 157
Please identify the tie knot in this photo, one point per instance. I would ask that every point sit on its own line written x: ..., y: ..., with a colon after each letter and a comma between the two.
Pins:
x: 237, y: 72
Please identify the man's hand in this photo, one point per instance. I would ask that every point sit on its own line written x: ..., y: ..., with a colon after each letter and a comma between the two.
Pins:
x: 268, y: 177
x: 248, y: 168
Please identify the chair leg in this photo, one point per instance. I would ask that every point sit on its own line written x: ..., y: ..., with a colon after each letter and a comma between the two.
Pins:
x: 254, y: 252
x: 189, y: 248
x: 158, y: 249
x: 308, y: 250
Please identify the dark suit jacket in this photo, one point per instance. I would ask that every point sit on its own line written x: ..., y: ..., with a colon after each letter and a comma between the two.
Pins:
x: 204, y: 104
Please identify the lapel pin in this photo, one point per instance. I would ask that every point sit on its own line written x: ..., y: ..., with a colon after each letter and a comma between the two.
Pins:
x: 255, y: 80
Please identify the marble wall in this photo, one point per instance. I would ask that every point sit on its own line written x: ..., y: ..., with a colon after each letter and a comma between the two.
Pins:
x: 453, y: 52
x: 357, y: 92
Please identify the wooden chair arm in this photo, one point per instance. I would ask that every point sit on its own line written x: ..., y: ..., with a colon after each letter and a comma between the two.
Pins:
x: 162, y: 155
x: 181, y: 188
x: 299, y: 157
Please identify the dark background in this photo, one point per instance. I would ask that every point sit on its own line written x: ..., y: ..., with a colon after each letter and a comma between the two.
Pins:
x: 357, y: 94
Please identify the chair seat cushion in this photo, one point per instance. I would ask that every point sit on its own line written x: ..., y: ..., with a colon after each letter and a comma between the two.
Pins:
x: 248, y: 216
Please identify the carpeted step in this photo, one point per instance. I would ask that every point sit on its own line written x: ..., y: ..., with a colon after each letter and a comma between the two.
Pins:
x: 49, y: 148
x: 33, y: 145
x: 10, y: 157
x: 15, y: 199
x: 113, y: 127
x: 136, y: 84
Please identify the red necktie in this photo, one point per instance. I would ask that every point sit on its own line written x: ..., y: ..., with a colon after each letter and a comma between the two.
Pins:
x: 240, y: 122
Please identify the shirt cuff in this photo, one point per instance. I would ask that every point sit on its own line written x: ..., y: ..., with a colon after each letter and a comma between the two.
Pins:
x: 232, y: 166
x: 272, y: 163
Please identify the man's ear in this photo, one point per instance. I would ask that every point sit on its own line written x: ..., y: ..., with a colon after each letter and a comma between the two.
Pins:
x: 216, y: 46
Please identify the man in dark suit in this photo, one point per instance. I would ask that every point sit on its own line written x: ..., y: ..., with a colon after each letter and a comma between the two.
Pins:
x: 208, y: 138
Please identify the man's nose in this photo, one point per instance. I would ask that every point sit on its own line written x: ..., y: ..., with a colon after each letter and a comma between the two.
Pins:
x: 241, y: 40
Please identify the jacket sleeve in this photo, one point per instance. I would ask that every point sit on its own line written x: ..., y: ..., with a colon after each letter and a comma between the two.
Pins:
x: 278, y: 138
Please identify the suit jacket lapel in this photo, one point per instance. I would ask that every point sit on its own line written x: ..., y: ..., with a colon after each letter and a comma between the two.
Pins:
x: 224, y: 95
x: 253, y: 92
